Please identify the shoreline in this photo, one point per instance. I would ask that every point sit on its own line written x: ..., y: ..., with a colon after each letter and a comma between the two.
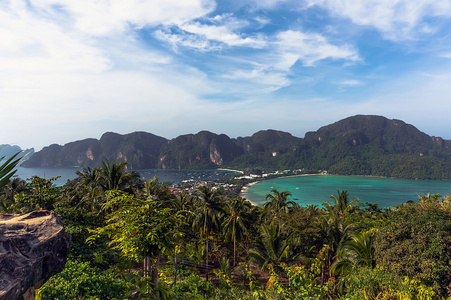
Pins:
x: 242, y: 193
x: 230, y: 170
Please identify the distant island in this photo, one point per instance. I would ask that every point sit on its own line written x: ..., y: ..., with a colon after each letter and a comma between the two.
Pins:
x: 358, y: 145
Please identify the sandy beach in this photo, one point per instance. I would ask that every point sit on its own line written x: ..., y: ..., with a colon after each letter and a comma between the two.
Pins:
x: 243, y: 191
x: 231, y: 170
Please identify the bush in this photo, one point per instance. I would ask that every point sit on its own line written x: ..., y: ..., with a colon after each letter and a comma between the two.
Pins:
x: 377, y: 283
x: 81, y: 280
x: 417, y: 244
x: 193, y: 287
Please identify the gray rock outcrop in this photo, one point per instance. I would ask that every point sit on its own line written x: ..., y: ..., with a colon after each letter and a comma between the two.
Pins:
x: 33, y: 247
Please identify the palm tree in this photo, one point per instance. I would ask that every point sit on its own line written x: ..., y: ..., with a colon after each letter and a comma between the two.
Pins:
x: 183, y: 201
x: 335, y: 224
x: 272, y: 247
x: 207, y: 214
x: 9, y: 193
x: 88, y: 176
x: 114, y: 176
x: 342, y: 205
x: 7, y: 168
x: 154, y: 189
x: 278, y: 203
x: 236, y: 220
x: 358, y: 250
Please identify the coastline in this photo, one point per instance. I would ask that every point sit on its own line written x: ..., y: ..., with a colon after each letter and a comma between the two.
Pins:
x: 244, y: 188
x: 243, y: 191
x: 230, y: 170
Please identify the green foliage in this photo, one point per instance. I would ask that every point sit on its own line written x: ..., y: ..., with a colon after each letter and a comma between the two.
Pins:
x: 378, y: 283
x: 44, y: 194
x: 143, y: 221
x: 7, y: 168
x: 114, y: 176
x: 357, y: 250
x: 304, y: 283
x: 79, y: 280
x: 193, y: 287
x: 138, y: 227
x: 272, y: 247
x: 417, y: 243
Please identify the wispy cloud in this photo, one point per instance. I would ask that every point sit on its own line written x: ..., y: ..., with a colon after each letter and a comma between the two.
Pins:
x: 210, y: 34
x: 397, y: 20
x: 309, y: 48
x: 272, y: 68
x: 108, y: 17
x: 350, y: 82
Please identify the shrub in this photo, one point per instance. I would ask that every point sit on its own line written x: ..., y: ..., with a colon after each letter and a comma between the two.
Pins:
x: 81, y: 280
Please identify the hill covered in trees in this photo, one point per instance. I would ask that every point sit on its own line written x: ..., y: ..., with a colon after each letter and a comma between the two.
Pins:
x: 358, y: 145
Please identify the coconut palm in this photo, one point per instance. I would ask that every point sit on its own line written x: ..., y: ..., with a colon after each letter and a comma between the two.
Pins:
x: 183, y: 201
x: 335, y: 224
x: 278, y: 203
x: 236, y: 221
x: 357, y: 250
x: 273, y: 247
x: 7, y: 168
x: 114, y: 176
x: 341, y: 204
x: 156, y: 190
x: 88, y: 176
x: 207, y: 214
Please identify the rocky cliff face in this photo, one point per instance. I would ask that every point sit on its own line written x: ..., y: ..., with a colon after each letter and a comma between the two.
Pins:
x: 140, y: 149
x: 204, y: 150
x: 33, y: 247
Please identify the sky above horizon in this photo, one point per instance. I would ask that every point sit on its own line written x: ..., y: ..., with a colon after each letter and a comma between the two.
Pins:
x: 74, y: 69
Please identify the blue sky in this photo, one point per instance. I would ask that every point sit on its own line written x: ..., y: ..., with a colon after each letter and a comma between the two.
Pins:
x: 71, y: 70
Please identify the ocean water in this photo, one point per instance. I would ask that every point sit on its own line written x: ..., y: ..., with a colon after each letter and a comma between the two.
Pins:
x: 315, y: 189
x: 163, y: 175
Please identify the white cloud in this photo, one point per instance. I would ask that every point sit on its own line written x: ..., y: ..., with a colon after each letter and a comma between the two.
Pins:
x: 397, y: 20
x: 309, y: 48
x: 351, y: 82
x: 223, y: 34
x: 62, y: 80
x: 186, y: 40
x: 105, y: 17
x: 267, y: 80
x: 270, y: 70
x: 211, y: 34
x: 268, y: 3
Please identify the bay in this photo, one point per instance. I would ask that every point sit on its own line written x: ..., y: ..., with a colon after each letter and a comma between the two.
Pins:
x: 315, y: 189
x: 175, y: 176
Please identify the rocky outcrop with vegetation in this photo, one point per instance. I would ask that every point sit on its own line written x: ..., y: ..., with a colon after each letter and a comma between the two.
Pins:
x: 33, y: 247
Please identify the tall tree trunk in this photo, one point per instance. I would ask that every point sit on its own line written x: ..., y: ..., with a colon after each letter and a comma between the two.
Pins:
x: 175, y: 267
x: 206, y: 259
x: 155, y: 277
x: 147, y: 270
x: 234, y: 249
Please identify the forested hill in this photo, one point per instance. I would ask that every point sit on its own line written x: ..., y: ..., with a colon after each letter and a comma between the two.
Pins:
x: 7, y: 151
x: 358, y: 145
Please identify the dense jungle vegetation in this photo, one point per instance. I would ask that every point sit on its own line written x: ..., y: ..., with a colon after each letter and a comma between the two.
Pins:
x: 134, y: 239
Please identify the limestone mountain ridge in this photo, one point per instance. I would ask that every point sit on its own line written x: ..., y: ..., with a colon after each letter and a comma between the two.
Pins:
x: 358, y: 145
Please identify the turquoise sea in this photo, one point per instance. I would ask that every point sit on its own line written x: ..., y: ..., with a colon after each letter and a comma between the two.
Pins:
x: 163, y: 175
x: 315, y: 189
